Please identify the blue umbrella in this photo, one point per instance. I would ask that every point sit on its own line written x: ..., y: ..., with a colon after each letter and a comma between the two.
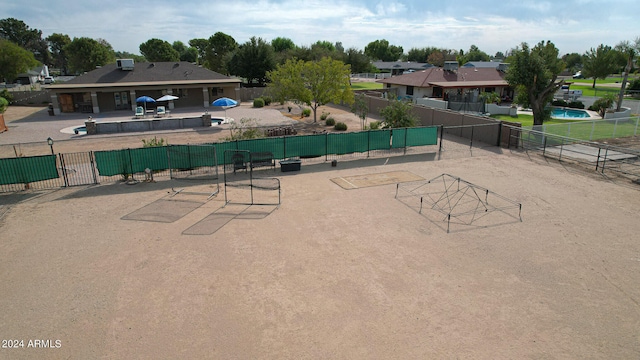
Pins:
x: 224, y: 103
x: 145, y: 100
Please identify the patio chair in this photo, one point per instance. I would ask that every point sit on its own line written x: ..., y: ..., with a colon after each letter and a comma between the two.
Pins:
x: 160, y: 111
x: 238, y: 162
x: 139, y: 112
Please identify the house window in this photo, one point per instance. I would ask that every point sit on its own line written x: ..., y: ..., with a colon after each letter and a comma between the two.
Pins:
x: 490, y: 89
x: 409, y: 90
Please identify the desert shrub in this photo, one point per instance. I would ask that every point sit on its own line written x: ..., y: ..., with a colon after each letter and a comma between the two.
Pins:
x: 374, y: 125
x: 340, y: 126
x: 245, y: 129
x: 7, y: 95
x: 576, y: 104
x: 324, y: 116
x: 306, y: 112
x: 267, y: 100
x: 3, y: 105
x: 258, y: 102
x: 330, y: 121
x: 154, y: 142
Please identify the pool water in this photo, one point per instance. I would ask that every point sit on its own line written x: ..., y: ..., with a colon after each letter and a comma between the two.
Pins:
x: 569, y: 114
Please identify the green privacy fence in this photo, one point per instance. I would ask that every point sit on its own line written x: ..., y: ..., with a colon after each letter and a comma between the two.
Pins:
x: 24, y: 170
x: 129, y: 161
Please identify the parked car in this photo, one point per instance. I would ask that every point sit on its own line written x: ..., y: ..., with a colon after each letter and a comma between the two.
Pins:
x: 578, y: 75
x: 49, y: 80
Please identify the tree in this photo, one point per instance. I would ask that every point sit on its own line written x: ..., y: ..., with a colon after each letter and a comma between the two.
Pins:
x: 418, y: 55
x: 20, y: 34
x: 85, y: 54
x: 218, y: 52
x: 281, y: 44
x: 474, y: 54
x: 361, y: 109
x: 499, y: 55
x: 187, y: 53
x: 436, y: 58
x: 398, y: 115
x: 359, y: 62
x: 381, y: 50
x: 630, y: 50
x: 57, y: 43
x: 534, y: 73
x: 201, y: 47
x: 573, y: 62
x: 252, y: 60
x: 314, y: 83
x: 128, y: 55
x: 14, y: 60
x: 158, y: 50
x: 602, y: 104
x: 598, y: 63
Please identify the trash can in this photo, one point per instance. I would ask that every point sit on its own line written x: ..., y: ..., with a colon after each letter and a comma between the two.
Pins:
x: 50, y: 109
x: 290, y: 165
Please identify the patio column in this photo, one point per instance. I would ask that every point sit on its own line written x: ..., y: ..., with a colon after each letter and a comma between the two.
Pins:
x: 205, y: 96
x: 94, y: 102
x: 132, y: 96
x: 56, y: 106
x: 170, y: 102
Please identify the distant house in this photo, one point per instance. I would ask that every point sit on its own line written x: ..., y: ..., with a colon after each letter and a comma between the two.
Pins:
x: 33, y: 76
x: 483, y: 64
x: 442, y: 83
x: 116, y: 87
x: 400, y: 67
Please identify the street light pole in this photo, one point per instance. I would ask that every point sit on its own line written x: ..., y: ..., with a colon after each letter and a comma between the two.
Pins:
x: 50, y: 142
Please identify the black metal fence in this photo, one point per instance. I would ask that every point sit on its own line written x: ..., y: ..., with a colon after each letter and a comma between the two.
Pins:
x: 603, y: 158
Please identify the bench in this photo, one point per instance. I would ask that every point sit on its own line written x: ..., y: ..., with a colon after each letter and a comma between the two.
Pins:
x: 259, y: 159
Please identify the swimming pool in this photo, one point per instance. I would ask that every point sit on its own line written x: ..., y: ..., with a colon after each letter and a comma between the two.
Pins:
x: 562, y: 113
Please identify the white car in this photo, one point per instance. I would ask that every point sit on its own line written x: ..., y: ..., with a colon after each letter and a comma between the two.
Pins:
x: 48, y: 80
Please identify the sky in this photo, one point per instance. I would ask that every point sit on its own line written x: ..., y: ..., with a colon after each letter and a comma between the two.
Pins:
x: 572, y: 25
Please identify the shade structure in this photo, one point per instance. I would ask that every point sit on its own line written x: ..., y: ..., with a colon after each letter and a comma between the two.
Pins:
x: 168, y: 98
x: 224, y: 102
x: 145, y: 100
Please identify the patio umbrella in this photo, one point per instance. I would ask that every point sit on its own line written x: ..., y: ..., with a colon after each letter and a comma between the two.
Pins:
x: 145, y: 100
x: 168, y: 98
x: 224, y: 103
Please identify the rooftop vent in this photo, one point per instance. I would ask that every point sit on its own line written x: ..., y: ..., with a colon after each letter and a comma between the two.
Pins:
x: 450, y: 65
x: 124, y: 64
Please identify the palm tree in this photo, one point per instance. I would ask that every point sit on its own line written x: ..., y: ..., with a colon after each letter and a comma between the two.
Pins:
x: 630, y: 50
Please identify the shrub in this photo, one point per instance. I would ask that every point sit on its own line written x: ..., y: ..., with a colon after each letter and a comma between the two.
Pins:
x: 559, y: 102
x: 267, y: 100
x: 153, y: 142
x: 576, y: 104
x: 330, y: 121
x: 601, y: 105
x: 340, y: 126
x: 374, y: 125
x: 324, y: 116
x: 258, y: 103
x: 306, y: 112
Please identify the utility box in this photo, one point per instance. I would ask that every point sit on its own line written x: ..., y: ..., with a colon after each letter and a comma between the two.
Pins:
x: 290, y: 165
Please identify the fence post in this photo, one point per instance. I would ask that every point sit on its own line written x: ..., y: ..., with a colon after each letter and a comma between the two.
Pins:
x: 598, y: 159
x: 569, y: 130
x: 561, y: 146
x: 635, y: 131
x: 615, y: 126
x: 604, y: 162
x: 368, y: 142
x: 593, y: 127
x: 93, y: 167
x: 471, y: 142
x: 284, y: 147
x: 326, y: 147
x: 406, y: 130
x: 441, y: 136
x: 64, y: 170
x: 544, y: 146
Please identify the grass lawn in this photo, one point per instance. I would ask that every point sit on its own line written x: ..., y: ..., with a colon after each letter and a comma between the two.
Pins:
x: 366, y: 85
x: 585, y: 130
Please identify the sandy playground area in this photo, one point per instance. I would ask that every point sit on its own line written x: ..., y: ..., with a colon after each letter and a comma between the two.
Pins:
x: 126, y: 271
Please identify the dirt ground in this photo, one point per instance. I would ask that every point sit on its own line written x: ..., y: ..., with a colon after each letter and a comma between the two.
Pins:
x: 127, y: 271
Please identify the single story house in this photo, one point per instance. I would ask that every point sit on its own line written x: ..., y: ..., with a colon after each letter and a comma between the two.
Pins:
x: 399, y: 67
x: 116, y: 86
x: 450, y: 81
x: 482, y: 64
x: 33, y: 76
